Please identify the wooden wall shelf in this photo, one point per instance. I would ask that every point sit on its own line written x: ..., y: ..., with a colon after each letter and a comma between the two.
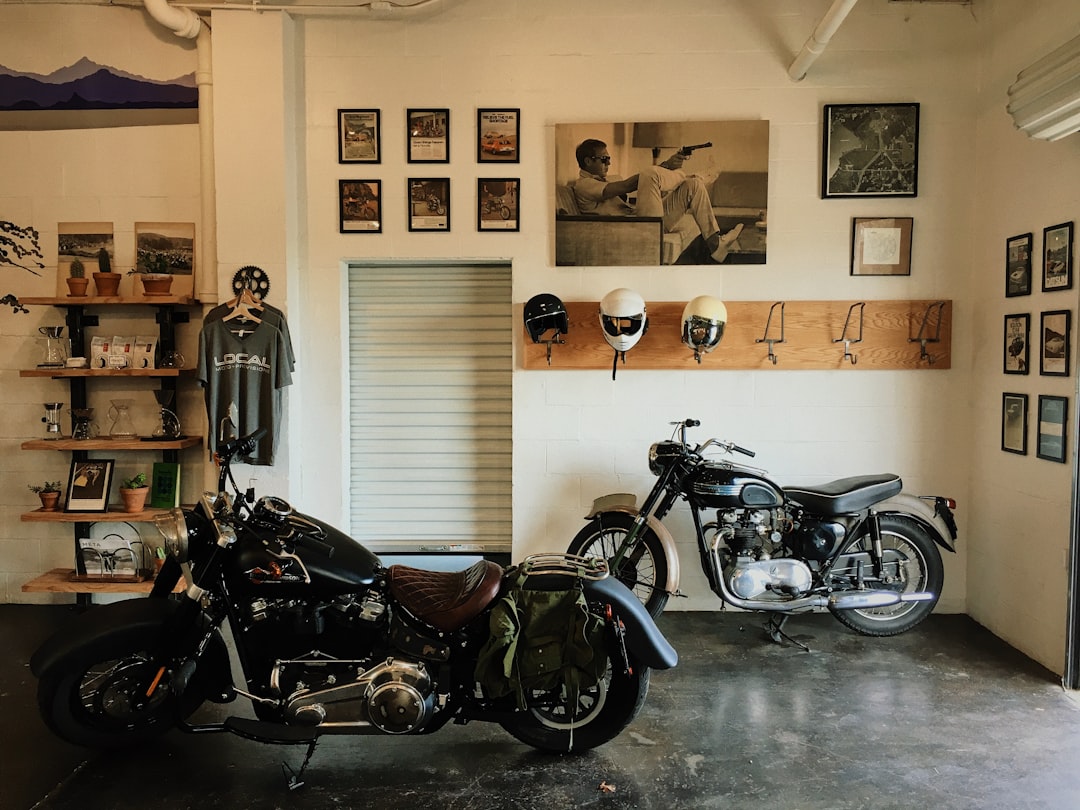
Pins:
x: 59, y: 580
x: 111, y: 444
x: 108, y: 300
x: 890, y: 338
x: 105, y: 372
x: 112, y: 516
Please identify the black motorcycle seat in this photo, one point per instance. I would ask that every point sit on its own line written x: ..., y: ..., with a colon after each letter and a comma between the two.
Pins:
x: 447, y: 600
x: 846, y: 495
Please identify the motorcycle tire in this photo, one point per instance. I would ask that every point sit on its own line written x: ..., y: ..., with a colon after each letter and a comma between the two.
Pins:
x: 90, y: 704
x: 602, y: 713
x: 644, y: 570
x: 920, y: 570
x: 505, y: 212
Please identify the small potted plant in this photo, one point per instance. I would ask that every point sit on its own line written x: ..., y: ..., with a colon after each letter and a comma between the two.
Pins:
x: 153, y: 269
x: 134, y: 491
x: 49, y: 492
x: 77, y: 281
x: 105, y: 280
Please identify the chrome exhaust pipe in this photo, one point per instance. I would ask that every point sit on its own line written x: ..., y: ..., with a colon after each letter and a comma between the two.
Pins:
x: 864, y: 600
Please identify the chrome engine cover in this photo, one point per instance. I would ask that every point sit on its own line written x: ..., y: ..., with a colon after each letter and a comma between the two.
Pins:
x: 751, y: 578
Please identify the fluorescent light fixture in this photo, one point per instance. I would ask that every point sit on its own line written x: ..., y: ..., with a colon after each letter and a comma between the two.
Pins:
x: 1045, y: 99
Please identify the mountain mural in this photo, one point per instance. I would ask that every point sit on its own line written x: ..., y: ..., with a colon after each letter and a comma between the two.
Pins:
x: 86, y: 85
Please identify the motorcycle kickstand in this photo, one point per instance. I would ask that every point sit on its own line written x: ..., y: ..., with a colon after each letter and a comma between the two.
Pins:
x: 775, y: 628
x: 295, y: 779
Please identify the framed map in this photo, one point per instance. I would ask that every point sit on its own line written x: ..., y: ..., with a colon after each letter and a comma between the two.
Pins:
x: 870, y: 150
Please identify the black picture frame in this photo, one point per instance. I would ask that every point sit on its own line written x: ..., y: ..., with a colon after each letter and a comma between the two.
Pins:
x: 428, y: 132
x: 1016, y: 344
x: 88, y: 485
x: 498, y: 135
x: 498, y: 204
x: 428, y: 199
x: 1018, y: 265
x: 881, y: 246
x: 1052, y: 440
x: 870, y: 150
x: 360, y: 206
x: 1057, y: 256
x: 359, y: 136
x: 1014, y: 423
x: 1055, y: 337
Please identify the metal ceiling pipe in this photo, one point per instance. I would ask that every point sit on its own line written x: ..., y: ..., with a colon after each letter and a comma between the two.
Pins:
x: 181, y: 21
x: 819, y: 39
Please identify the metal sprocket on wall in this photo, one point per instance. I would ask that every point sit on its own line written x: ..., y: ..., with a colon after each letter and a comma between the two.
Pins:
x: 253, y: 279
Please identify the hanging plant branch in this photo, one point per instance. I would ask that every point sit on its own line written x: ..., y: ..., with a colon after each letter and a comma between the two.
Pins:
x: 19, y: 247
x: 13, y: 302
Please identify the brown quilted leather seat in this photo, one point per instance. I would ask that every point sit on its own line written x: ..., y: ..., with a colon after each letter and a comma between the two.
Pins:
x: 446, y: 600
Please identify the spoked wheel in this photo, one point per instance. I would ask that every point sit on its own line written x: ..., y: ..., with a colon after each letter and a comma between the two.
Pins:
x: 911, y: 564
x: 505, y: 212
x: 643, y: 570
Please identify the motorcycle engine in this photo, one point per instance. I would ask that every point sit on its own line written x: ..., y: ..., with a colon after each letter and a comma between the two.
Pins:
x: 749, y: 544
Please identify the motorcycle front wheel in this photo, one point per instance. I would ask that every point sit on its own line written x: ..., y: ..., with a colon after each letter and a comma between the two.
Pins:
x: 643, y: 570
x: 98, y: 702
x: 601, y: 713
x: 912, y: 563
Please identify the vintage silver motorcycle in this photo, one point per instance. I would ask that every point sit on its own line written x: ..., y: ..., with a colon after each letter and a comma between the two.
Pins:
x: 860, y: 547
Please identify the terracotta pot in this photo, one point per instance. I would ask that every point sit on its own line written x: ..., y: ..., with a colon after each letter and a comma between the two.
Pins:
x: 134, y: 499
x: 49, y: 501
x: 156, y: 283
x: 77, y: 287
x: 107, y: 283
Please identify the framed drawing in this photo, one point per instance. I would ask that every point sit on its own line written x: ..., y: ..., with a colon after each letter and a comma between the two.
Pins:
x: 82, y: 241
x: 360, y: 206
x: 881, y: 246
x: 1014, y: 423
x: 1052, y: 434
x: 88, y: 485
x: 1054, y: 337
x: 498, y: 133
x: 870, y: 150
x: 1057, y: 257
x: 1018, y: 265
x: 359, y: 136
x: 429, y: 135
x: 429, y: 203
x: 497, y: 207
x: 1016, y: 344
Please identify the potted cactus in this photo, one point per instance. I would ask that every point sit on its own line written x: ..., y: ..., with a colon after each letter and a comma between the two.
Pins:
x: 49, y: 493
x: 105, y: 280
x: 134, y: 491
x: 77, y: 281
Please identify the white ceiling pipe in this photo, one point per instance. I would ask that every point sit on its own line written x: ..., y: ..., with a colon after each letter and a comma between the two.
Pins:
x: 181, y: 21
x: 819, y: 40
x: 375, y: 9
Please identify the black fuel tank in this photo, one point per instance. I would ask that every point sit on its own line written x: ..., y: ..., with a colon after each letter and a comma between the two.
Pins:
x: 719, y: 487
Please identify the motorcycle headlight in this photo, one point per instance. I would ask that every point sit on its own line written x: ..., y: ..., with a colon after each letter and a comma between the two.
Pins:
x: 172, y: 526
x: 661, y: 454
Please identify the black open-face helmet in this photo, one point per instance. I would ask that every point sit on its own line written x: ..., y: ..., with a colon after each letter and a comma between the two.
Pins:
x: 543, y: 313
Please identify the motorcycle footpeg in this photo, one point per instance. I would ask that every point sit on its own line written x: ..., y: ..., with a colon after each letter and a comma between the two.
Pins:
x: 274, y: 733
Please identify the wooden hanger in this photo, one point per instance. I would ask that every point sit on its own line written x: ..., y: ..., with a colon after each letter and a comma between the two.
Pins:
x: 244, y: 306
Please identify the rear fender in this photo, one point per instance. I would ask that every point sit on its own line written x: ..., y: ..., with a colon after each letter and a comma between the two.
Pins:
x: 643, y: 637
x: 627, y: 503
x: 921, y: 510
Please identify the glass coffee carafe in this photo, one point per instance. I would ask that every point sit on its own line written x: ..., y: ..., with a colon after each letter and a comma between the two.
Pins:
x: 55, y: 348
x: 83, y: 425
x: 122, y: 426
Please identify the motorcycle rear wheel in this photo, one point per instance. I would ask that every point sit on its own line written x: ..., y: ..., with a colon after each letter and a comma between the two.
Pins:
x: 916, y: 567
x: 644, y: 569
x: 601, y: 714
x: 93, y: 703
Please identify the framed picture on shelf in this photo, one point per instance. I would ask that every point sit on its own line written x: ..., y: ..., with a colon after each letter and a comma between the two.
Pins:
x: 171, y: 247
x: 497, y: 204
x: 359, y: 136
x: 1057, y: 257
x: 499, y: 135
x: 1052, y: 434
x: 88, y: 485
x: 1014, y: 423
x: 1055, y: 334
x: 429, y: 203
x: 1015, y: 346
x: 1018, y: 265
x: 870, y: 150
x: 881, y: 246
x: 360, y: 206
x: 429, y: 135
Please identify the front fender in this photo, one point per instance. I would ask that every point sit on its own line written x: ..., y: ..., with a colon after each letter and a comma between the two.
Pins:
x: 922, y: 511
x: 627, y: 503
x: 643, y: 637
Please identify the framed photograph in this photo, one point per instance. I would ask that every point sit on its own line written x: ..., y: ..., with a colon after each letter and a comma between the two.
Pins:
x: 881, y: 246
x: 173, y: 242
x: 1014, y: 423
x: 497, y: 203
x: 1052, y: 414
x: 1055, y: 334
x: 429, y: 135
x: 1018, y: 265
x: 870, y: 150
x: 88, y: 485
x: 360, y: 206
x: 498, y: 133
x: 359, y: 136
x: 1016, y: 344
x: 429, y: 203
x: 1057, y: 257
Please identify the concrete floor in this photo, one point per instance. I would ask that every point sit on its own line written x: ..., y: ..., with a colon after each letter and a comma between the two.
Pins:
x: 946, y: 716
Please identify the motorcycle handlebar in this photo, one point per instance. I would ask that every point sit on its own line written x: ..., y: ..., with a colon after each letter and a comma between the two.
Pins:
x: 242, y: 446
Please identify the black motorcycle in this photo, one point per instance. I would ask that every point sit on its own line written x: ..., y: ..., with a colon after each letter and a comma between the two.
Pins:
x: 860, y: 547
x: 332, y: 642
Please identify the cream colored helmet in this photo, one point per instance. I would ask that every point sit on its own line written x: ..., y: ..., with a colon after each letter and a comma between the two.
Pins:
x: 623, y: 319
x: 703, y: 322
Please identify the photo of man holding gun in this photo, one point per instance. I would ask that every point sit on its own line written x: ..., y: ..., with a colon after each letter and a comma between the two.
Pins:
x: 663, y: 190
